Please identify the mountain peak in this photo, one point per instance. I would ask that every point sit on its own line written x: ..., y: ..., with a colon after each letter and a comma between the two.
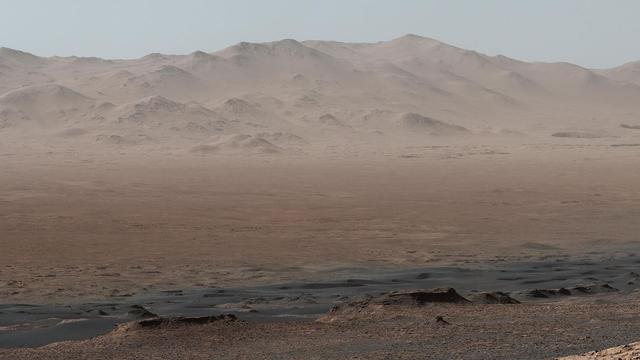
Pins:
x: 289, y: 42
x: 286, y: 48
x: 635, y: 65
x: 49, y: 94
x: 416, y: 38
x: 202, y: 56
x: 5, y: 51
x: 20, y: 56
x: 413, y: 37
x: 154, y: 56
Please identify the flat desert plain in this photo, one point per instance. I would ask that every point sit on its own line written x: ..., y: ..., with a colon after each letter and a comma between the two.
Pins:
x: 77, y: 226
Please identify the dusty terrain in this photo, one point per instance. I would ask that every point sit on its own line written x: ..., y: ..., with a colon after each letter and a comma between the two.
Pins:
x: 539, y: 331
x: 309, y: 162
x: 109, y: 228
x: 623, y: 352
x: 78, y: 226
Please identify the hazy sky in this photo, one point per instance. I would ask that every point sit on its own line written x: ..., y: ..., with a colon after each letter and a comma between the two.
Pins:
x: 590, y: 33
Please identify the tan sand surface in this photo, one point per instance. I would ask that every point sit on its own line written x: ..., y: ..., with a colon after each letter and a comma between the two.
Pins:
x: 534, y: 331
x: 96, y: 226
x: 268, y: 163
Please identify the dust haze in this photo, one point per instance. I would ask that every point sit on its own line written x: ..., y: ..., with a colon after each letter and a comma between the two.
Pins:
x: 319, y: 162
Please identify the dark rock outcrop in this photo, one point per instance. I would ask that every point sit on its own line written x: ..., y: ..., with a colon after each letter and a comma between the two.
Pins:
x: 596, y: 288
x: 404, y: 298
x: 422, y: 297
x: 159, y: 321
x: 496, y: 297
x: 140, y: 312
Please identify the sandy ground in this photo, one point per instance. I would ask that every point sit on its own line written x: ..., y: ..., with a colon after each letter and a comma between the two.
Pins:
x: 624, y: 352
x: 286, y: 161
x: 98, y: 226
x: 534, y: 331
x: 76, y: 227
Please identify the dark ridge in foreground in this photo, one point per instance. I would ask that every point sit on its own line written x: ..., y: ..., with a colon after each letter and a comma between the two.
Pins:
x: 433, y: 330
x: 176, y: 321
x: 356, y: 291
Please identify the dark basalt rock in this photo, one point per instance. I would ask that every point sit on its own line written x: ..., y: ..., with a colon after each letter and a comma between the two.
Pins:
x: 547, y: 293
x: 593, y: 289
x: 404, y: 298
x: 423, y: 297
x: 572, y: 291
x: 140, y: 312
x: 493, y: 298
x: 159, y: 321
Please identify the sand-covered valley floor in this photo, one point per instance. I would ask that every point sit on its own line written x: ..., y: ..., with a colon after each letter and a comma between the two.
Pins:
x: 120, y: 228
x: 95, y: 226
